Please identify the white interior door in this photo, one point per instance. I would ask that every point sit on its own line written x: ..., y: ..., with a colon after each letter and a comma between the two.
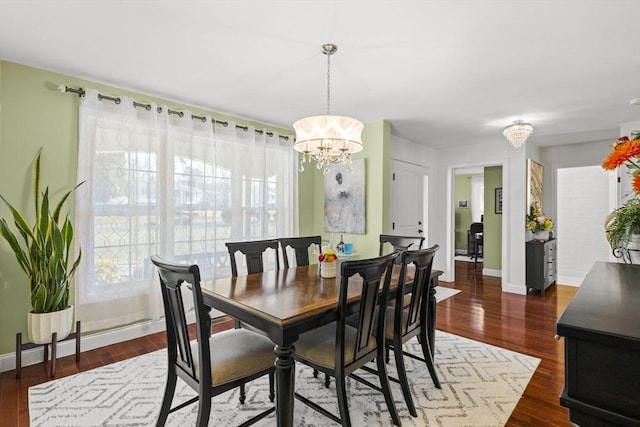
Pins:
x: 408, y: 199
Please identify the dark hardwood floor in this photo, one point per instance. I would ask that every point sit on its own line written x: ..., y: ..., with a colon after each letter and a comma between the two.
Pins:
x: 525, y: 324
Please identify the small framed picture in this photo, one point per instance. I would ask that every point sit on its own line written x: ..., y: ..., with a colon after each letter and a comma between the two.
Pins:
x: 463, y: 204
x: 499, y: 200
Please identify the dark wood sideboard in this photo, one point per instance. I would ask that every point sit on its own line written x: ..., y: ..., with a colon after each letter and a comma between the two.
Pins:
x: 601, y: 330
x: 541, y: 264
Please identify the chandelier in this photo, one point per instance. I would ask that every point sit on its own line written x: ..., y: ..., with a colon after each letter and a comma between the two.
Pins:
x: 327, y: 139
x: 517, y: 133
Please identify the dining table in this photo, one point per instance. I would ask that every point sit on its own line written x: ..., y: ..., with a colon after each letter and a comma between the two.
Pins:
x: 286, y: 303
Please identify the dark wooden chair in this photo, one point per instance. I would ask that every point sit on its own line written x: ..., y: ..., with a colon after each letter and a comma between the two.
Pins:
x: 300, y: 246
x: 400, y: 243
x: 240, y: 355
x: 338, y: 349
x: 473, y: 247
x: 407, y: 318
x: 253, y: 251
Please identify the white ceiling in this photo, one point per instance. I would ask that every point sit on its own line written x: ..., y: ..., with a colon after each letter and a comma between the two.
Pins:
x: 444, y: 73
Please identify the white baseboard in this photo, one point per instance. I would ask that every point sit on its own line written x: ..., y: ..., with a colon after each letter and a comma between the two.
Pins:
x: 569, y: 280
x: 514, y: 289
x: 491, y: 272
x: 570, y: 277
x: 88, y: 342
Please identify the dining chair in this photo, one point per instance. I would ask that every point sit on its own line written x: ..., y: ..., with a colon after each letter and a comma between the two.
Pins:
x: 300, y: 246
x: 407, y: 318
x: 211, y: 364
x: 253, y: 252
x: 339, y: 349
x: 400, y: 243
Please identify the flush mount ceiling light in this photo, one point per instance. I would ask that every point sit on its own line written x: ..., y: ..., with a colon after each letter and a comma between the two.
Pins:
x: 517, y: 133
x: 327, y: 139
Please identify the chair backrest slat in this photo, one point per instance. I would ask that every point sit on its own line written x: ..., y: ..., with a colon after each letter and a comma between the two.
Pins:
x: 375, y: 275
x: 300, y: 246
x: 173, y: 277
x: 422, y: 262
x: 400, y: 243
x: 253, y: 251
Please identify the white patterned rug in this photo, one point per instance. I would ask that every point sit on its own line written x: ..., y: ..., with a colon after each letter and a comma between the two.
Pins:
x: 481, y: 385
x: 442, y: 293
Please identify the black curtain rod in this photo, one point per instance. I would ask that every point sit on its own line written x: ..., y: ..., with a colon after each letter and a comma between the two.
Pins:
x: 117, y: 100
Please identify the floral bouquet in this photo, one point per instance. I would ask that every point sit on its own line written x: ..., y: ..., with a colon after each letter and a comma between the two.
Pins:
x: 626, y: 152
x: 536, y: 221
x: 328, y: 263
x: 622, y: 226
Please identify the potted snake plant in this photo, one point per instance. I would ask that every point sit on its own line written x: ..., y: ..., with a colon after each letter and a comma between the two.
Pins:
x: 43, y: 251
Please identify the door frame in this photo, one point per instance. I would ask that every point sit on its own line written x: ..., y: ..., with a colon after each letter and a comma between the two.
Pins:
x: 450, y: 238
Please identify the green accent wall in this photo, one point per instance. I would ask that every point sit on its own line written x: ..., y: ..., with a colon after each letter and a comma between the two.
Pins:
x: 462, y: 191
x: 492, y: 221
x: 34, y: 114
x: 376, y: 138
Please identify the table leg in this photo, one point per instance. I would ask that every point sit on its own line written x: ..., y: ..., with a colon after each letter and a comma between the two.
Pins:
x: 431, y: 319
x: 285, y: 384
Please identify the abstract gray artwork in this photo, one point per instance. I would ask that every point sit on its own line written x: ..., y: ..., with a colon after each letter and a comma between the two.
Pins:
x: 344, y: 210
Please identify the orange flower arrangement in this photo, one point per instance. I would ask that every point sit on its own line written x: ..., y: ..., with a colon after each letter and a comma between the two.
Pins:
x: 626, y: 151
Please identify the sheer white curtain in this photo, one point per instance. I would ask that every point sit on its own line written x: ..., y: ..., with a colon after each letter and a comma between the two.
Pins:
x: 168, y: 184
x: 477, y: 197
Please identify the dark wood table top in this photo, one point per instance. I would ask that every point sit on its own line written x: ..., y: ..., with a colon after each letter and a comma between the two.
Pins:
x: 282, y: 303
x: 606, y: 305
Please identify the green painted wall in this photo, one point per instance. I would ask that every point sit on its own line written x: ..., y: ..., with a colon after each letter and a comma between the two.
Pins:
x: 462, y: 191
x: 492, y: 221
x: 34, y: 114
x: 376, y: 138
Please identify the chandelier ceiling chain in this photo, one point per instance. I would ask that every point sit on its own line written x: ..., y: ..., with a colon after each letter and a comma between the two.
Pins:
x: 327, y: 139
x: 329, y: 49
x: 517, y: 133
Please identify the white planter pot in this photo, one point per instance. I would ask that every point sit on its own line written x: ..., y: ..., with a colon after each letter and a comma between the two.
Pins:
x: 328, y: 269
x: 538, y: 235
x: 634, y: 249
x: 42, y: 325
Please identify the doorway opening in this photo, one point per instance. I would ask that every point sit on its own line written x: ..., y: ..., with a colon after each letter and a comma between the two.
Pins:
x: 475, y: 200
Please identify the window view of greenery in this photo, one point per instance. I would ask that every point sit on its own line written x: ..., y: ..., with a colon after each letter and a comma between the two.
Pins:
x: 129, y: 223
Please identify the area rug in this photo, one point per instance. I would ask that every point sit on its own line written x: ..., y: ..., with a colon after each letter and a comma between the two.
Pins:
x: 481, y: 385
x: 442, y: 293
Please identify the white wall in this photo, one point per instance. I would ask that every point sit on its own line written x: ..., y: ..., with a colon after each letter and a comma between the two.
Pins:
x: 499, y: 152
x: 567, y: 156
x: 582, y: 206
x: 418, y: 154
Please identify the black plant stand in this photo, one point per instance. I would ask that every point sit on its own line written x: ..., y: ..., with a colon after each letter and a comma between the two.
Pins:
x: 54, y: 344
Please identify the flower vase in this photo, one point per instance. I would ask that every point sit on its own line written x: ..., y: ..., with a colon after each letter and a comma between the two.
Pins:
x: 542, y: 235
x: 328, y: 269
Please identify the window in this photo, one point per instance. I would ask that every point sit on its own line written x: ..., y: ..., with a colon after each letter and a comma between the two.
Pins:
x: 171, y: 185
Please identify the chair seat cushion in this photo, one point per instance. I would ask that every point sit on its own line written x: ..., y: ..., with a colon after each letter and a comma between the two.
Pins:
x: 318, y: 345
x: 389, y: 322
x: 236, y: 354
